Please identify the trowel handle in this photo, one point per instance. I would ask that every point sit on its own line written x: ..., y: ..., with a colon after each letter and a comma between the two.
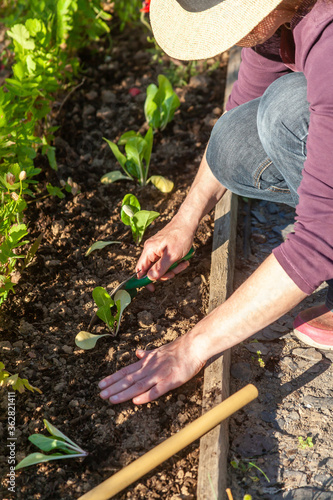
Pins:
x: 138, y: 283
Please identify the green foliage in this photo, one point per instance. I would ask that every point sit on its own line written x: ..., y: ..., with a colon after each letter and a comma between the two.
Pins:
x: 39, y: 31
x: 245, y: 467
x: 56, y: 441
x: 138, y: 220
x: 105, y: 304
x: 14, y: 382
x: 161, y: 103
x: 128, y: 11
x: 136, y: 160
x: 305, y: 443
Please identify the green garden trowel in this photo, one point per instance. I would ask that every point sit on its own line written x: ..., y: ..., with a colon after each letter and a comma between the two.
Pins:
x: 132, y: 283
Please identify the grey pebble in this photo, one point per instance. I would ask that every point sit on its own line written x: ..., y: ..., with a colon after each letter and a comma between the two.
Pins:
x: 324, y: 479
x: 257, y: 346
x: 307, y: 494
x: 308, y: 354
x: 241, y: 371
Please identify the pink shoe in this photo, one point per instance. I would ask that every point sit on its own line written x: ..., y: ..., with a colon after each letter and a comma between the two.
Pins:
x: 314, y: 327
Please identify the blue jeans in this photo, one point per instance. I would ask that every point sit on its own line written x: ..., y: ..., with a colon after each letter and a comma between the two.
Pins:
x: 258, y: 149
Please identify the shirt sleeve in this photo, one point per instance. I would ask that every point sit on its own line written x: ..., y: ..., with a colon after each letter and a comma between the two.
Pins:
x: 307, y: 255
x: 256, y: 73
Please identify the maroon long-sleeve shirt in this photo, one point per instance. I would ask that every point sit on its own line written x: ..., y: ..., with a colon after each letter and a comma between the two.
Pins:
x: 307, y: 254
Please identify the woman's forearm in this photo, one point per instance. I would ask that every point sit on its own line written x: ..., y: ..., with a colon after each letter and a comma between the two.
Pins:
x: 264, y: 297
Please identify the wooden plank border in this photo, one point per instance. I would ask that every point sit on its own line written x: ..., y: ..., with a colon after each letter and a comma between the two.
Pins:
x: 212, y: 474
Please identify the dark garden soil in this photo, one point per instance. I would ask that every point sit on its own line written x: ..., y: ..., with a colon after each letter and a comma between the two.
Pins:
x: 53, y: 303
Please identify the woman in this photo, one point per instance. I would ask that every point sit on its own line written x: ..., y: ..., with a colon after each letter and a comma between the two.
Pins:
x: 276, y: 143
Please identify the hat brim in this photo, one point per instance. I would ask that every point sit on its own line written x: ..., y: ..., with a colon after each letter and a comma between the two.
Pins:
x: 189, y: 36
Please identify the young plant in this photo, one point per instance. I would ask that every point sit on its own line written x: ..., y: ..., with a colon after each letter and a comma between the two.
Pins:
x: 245, y: 466
x: 305, y: 443
x: 14, y: 382
x: 161, y: 103
x: 56, y: 441
x: 87, y: 340
x: 138, y: 220
x: 135, y: 162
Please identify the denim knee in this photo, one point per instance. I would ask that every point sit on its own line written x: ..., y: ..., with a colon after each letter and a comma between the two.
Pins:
x: 230, y: 144
x: 283, y: 122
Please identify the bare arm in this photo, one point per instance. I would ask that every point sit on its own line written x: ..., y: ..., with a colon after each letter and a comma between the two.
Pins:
x: 265, y: 296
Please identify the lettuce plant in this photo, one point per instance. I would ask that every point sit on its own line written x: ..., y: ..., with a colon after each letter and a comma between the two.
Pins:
x: 56, y: 441
x: 138, y: 220
x: 105, y: 303
x: 161, y: 103
x: 136, y: 160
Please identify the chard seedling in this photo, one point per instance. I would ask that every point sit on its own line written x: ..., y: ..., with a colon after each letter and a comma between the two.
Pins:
x: 246, y: 466
x: 56, y: 441
x: 161, y: 103
x: 105, y: 303
x: 305, y: 443
x: 138, y: 220
x: 136, y: 160
x: 99, y: 245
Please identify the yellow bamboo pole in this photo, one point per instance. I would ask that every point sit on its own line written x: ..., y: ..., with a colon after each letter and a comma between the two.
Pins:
x: 172, y: 445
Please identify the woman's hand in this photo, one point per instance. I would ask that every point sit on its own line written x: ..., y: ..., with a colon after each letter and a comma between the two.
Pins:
x: 156, y: 373
x: 170, y: 244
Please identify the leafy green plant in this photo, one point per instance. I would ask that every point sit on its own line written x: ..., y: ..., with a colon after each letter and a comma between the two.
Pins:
x: 136, y: 160
x: 245, y: 466
x: 161, y: 103
x: 99, y: 245
x: 138, y: 220
x: 14, y: 382
x: 305, y: 443
x: 87, y: 340
x: 127, y: 11
x: 56, y: 441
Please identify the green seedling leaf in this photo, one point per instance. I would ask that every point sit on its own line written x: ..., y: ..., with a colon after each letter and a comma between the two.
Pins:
x: 122, y: 300
x: 104, y: 303
x: 48, y: 443
x: 114, y: 176
x: 22, y: 36
x: 54, y: 431
x: 126, y: 136
x: 101, y: 297
x: 87, y: 340
x: 129, y: 206
x: 161, y: 183
x: 37, y: 458
x: 99, y: 245
x: 115, y: 150
x: 140, y: 221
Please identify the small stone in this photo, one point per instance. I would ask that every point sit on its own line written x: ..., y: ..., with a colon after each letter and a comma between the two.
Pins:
x: 145, y: 319
x: 57, y: 227
x: 259, y: 216
x: 258, y: 237
x: 5, y: 345
x: 198, y: 81
x: 67, y: 349
x: 60, y: 387
x: 97, y: 163
x: 25, y: 327
x: 108, y: 97
x: 295, y: 477
x: 105, y: 113
x: 18, y: 344
x: 309, y: 354
x: 92, y: 95
x: 74, y: 403
x: 241, y: 371
x: 257, y: 346
x: 323, y: 479
x: 88, y: 110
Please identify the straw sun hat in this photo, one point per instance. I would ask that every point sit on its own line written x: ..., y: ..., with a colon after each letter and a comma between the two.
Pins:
x: 199, y: 29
